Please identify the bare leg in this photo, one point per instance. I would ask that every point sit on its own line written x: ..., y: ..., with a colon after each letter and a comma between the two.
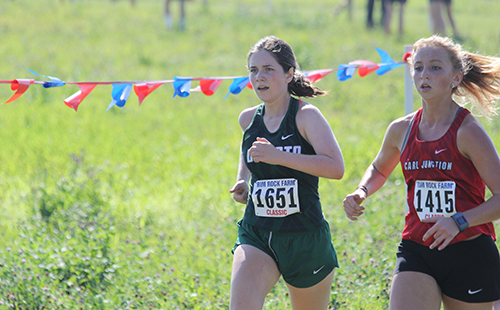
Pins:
x: 387, y: 16
x: 182, y: 22
x: 168, y: 15
x: 347, y: 4
x: 315, y: 297
x: 369, y: 13
x: 349, y: 8
x: 496, y: 305
x: 453, y: 304
x: 254, y: 275
x: 452, y: 22
x: 438, y: 26
x: 414, y: 291
x: 382, y: 12
x: 401, y: 10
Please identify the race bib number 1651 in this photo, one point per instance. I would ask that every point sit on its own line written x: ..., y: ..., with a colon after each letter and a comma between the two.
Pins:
x: 276, y: 198
x: 434, y: 198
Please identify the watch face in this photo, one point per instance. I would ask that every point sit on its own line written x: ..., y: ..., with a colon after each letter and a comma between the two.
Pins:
x: 461, y: 220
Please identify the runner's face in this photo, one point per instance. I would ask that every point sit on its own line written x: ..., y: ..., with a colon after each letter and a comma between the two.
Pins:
x: 433, y: 73
x: 269, y: 81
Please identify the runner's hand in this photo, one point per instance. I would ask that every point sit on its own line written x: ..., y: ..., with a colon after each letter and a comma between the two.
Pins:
x: 352, y: 204
x: 240, y: 191
x: 443, y: 231
x: 263, y: 151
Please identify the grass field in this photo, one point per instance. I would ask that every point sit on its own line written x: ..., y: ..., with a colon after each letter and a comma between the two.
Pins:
x: 129, y: 209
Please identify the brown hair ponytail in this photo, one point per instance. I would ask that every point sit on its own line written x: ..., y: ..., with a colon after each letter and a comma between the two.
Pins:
x: 300, y: 86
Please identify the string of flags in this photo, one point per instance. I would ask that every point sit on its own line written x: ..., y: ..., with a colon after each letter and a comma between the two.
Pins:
x: 183, y: 85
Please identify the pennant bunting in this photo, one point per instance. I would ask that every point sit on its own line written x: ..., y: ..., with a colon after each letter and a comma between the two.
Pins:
x: 182, y: 86
x: 207, y: 85
x: 365, y: 67
x: 144, y: 89
x: 237, y: 86
x: 387, y: 63
x: 316, y: 75
x: 406, y: 56
x: 120, y: 95
x: 54, y: 82
x: 74, y: 100
x: 345, y: 72
x: 20, y: 86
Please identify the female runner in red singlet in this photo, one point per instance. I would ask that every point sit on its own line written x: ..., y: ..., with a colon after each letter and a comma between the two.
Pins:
x: 447, y: 255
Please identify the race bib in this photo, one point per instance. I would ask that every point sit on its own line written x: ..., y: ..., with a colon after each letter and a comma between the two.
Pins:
x: 276, y: 198
x: 434, y: 198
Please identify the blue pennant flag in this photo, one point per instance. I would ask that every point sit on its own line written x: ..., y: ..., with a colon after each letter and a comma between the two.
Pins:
x: 120, y: 94
x: 237, y: 86
x: 182, y: 86
x: 387, y: 63
x: 54, y: 82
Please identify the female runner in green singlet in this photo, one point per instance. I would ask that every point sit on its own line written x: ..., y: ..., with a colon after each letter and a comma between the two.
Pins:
x: 287, y: 146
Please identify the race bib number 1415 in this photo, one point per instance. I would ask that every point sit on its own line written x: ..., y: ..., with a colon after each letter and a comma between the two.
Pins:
x: 434, y: 198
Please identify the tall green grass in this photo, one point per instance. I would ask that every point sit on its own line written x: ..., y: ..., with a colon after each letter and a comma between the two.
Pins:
x: 129, y: 209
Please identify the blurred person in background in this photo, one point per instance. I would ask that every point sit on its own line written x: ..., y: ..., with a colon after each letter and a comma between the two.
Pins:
x: 436, y: 18
x: 346, y: 5
x: 169, y: 23
x: 369, y: 13
x: 168, y: 15
x: 388, y: 5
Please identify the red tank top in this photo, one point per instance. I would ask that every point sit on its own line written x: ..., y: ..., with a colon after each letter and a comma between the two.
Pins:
x: 440, y: 181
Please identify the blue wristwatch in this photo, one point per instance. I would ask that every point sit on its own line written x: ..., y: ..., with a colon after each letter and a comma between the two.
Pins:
x: 461, y: 221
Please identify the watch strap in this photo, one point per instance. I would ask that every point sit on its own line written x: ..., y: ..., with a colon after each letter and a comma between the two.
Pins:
x: 461, y: 221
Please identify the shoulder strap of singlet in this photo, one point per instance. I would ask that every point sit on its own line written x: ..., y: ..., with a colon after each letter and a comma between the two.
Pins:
x: 258, y: 112
x: 294, y: 106
x: 291, y: 113
x: 256, y: 115
x: 408, y: 131
x: 458, y: 119
x: 462, y: 116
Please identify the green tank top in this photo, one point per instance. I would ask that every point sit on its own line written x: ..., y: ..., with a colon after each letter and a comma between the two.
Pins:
x: 277, y: 191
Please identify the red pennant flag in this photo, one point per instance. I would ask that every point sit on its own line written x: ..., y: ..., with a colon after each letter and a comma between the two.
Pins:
x: 316, y: 75
x: 406, y: 56
x: 77, y: 98
x: 365, y: 67
x: 208, y: 87
x: 20, y: 86
x: 144, y: 89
